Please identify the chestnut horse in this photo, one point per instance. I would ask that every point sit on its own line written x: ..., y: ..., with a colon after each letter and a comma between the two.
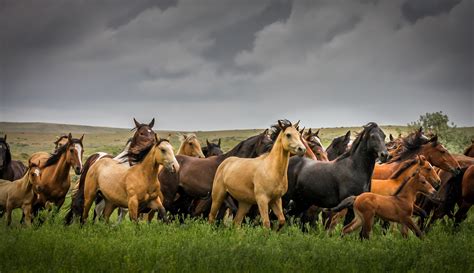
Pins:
x: 19, y: 194
x: 9, y: 169
x: 262, y: 180
x: 190, y: 146
x: 394, y: 208
x: 55, y: 180
x: 129, y: 187
x: 412, y: 145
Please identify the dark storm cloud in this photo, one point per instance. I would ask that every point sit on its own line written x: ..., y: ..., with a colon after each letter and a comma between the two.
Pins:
x: 235, y: 64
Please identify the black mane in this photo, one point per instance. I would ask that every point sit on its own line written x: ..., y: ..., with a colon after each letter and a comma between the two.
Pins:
x: 54, y: 158
x: 410, y: 146
x: 135, y: 158
x: 358, y: 140
x: 8, y: 155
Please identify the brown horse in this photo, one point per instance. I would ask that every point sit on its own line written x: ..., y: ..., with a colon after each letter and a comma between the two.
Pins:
x: 470, y: 150
x: 466, y: 199
x: 190, y: 146
x: 9, y: 169
x: 135, y: 187
x: 61, y: 141
x: 395, y: 208
x: 412, y: 145
x: 262, y: 180
x: 315, y: 145
x: 55, y: 181
x: 19, y: 194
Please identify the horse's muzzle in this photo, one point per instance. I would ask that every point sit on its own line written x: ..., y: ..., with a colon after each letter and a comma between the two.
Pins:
x: 384, y: 156
x: 77, y: 170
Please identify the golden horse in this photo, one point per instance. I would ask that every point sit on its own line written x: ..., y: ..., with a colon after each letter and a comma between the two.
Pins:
x: 262, y: 180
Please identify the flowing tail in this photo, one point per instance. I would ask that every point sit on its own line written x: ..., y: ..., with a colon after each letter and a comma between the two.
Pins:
x: 346, y: 203
x: 77, y: 203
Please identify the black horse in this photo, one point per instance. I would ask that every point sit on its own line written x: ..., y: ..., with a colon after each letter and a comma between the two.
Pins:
x: 9, y: 169
x: 338, y: 146
x: 212, y: 149
x: 326, y: 184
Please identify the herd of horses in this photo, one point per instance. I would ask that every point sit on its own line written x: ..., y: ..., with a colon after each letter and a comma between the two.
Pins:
x: 284, y: 169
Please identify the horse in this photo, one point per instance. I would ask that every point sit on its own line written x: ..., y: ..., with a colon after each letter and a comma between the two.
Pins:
x: 395, y: 208
x: 9, y: 169
x: 190, y: 146
x: 466, y: 198
x: 142, y: 138
x: 54, y: 182
x: 61, y: 141
x: 326, y: 184
x: 212, y: 149
x: 338, y: 146
x: 131, y: 187
x: 194, y: 180
x: 414, y: 144
x: 315, y: 144
x: 470, y: 150
x: 262, y: 180
x: 19, y: 193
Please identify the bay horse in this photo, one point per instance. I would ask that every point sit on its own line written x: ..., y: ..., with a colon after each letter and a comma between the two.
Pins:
x: 470, y: 150
x: 19, y: 194
x: 212, y: 149
x: 190, y: 146
x: 395, y: 208
x: 315, y: 144
x: 414, y: 144
x: 326, y: 184
x: 9, y: 169
x: 262, y: 180
x: 61, y: 141
x: 54, y: 182
x: 466, y: 198
x: 338, y: 146
x: 129, y: 187
x: 142, y: 138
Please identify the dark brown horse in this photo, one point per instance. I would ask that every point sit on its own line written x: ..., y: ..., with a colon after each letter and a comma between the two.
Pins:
x: 212, y: 149
x: 338, y: 146
x: 9, y: 169
x: 470, y: 150
x: 195, y: 177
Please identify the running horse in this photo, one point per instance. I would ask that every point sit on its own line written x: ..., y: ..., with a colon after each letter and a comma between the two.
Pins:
x: 262, y: 180
x: 55, y: 181
x: 9, y: 169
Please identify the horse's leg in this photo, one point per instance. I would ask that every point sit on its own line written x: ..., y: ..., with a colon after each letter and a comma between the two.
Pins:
x: 355, y: 224
x: 218, y: 195
x: 262, y: 202
x: 157, y: 205
x: 461, y: 214
x: 411, y: 225
x: 121, y: 215
x: 367, y: 224
x: 9, y: 213
x: 27, y: 213
x: 404, y: 230
x: 133, y: 208
x: 349, y: 216
x: 107, y: 211
x: 99, y: 210
x: 89, y: 196
x: 277, y: 207
x: 241, y: 212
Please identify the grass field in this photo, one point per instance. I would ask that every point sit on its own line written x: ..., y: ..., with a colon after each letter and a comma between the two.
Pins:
x: 196, y: 246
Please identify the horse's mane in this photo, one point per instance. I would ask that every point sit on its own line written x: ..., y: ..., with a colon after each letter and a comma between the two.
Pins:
x: 276, y: 129
x: 409, y: 147
x: 357, y: 141
x: 8, y: 154
x: 403, y: 167
x: 54, y: 157
x: 136, y: 147
x: 135, y: 158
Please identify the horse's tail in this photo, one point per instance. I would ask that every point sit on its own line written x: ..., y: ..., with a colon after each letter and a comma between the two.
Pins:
x: 77, y: 203
x: 346, y: 203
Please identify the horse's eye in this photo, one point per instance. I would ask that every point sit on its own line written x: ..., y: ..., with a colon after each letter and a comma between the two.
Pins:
x: 163, y: 150
x: 288, y: 135
x: 71, y: 150
x: 443, y: 151
x: 190, y: 144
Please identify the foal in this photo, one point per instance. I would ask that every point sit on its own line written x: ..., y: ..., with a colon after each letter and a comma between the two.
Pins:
x: 395, y: 208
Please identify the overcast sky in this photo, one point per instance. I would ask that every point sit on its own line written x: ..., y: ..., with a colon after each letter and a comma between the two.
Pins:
x: 223, y: 64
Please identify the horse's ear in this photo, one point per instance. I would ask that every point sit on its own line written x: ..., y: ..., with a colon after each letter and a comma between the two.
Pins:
x: 169, y: 137
x: 266, y: 132
x: 297, y: 124
x: 152, y: 122
x: 280, y: 124
x: 317, y: 133
x: 137, y: 124
x: 5, y: 138
x: 82, y: 137
x: 219, y: 142
x: 182, y: 137
x: 207, y: 142
x: 310, y: 132
x: 390, y: 137
x: 348, y: 135
x: 69, y: 137
x: 156, y: 139
x: 302, y: 130
x: 434, y: 139
x: 420, y: 131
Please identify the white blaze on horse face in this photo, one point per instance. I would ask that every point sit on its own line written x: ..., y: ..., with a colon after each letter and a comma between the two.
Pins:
x: 78, y: 148
x: 320, y: 143
x: 37, y: 172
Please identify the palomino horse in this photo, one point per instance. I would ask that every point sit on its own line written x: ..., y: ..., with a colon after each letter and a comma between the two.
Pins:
x: 142, y: 138
x: 212, y: 149
x: 395, y: 208
x: 412, y: 145
x: 339, y: 146
x: 131, y: 187
x: 19, y: 194
x: 9, y: 169
x: 326, y: 184
x: 190, y: 146
x: 262, y: 180
x: 55, y: 181
x: 314, y: 142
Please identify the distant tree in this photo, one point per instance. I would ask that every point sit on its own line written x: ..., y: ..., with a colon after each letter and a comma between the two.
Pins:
x: 452, y: 137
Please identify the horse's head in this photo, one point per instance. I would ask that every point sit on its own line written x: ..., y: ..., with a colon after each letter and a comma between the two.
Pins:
x: 74, y: 152
x: 5, y: 155
x: 164, y: 155
x: 439, y: 156
x: 427, y: 171
x: 143, y: 137
x: 421, y: 184
x: 264, y: 143
x: 314, y: 142
x: 291, y: 138
x: 339, y: 145
x: 34, y: 172
x: 190, y: 146
x: 213, y: 149
x: 61, y: 141
x: 376, y: 141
